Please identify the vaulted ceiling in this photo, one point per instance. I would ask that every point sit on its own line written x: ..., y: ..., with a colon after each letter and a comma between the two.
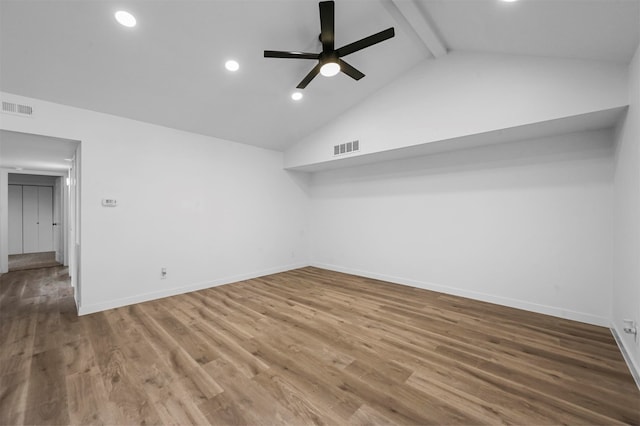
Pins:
x: 169, y: 69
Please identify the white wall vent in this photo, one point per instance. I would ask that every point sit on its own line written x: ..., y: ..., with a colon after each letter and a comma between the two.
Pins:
x: 346, y: 148
x: 17, y: 109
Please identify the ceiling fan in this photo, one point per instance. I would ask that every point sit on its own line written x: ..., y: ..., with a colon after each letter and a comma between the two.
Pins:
x: 329, y: 62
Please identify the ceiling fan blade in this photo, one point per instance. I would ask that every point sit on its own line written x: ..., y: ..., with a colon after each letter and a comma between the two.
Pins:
x: 327, y: 25
x: 315, y: 71
x: 365, y: 42
x: 292, y: 55
x: 349, y: 70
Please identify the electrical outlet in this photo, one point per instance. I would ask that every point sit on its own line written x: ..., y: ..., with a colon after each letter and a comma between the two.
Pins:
x: 163, y: 273
x: 630, y: 327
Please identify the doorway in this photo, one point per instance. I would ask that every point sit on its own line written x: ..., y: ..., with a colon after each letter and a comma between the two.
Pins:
x: 45, y: 191
x: 33, y: 229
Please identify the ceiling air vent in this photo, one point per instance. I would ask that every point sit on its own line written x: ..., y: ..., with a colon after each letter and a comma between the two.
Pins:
x: 346, y: 148
x: 17, y: 109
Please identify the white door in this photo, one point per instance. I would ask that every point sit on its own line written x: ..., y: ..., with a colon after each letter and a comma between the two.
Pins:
x: 37, y: 219
x: 30, y: 219
x: 15, y: 219
x: 45, y: 218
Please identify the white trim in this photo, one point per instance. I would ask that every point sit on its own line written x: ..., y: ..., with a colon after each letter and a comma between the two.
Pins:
x: 421, y: 25
x: 499, y: 300
x: 633, y: 368
x: 4, y: 220
x: 145, y: 297
x: 36, y: 172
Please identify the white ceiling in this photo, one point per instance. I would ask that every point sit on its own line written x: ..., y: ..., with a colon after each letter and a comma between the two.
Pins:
x: 169, y: 69
x: 605, y: 30
x: 34, y: 152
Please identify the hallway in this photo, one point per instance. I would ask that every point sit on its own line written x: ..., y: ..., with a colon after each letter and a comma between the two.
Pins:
x: 23, y: 262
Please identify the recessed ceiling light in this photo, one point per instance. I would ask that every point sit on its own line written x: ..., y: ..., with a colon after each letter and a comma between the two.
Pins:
x: 509, y: 1
x: 296, y: 96
x: 232, y: 65
x: 330, y: 69
x: 125, y: 18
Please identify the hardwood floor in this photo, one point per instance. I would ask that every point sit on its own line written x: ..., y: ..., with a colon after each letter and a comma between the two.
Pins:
x: 21, y: 262
x: 303, y: 347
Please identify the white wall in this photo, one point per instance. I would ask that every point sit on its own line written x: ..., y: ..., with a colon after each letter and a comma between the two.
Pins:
x: 626, y: 279
x: 464, y: 94
x: 525, y: 224
x: 210, y: 211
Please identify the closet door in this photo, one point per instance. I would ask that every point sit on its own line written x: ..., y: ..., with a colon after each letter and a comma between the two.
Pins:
x: 15, y: 219
x: 45, y: 218
x: 30, y: 224
x: 30, y: 219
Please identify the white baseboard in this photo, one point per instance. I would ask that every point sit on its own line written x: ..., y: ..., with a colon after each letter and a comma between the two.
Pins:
x: 633, y: 367
x: 145, y: 297
x: 514, y: 303
x: 499, y: 300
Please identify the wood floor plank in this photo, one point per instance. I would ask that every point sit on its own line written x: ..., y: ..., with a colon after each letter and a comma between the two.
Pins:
x: 126, y: 391
x: 48, y: 321
x: 222, y: 410
x: 469, y: 404
x: 70, y: 327
x: 258, y: 406
x: 186, y: 367
x: 308, y: 346
x: 198, y: 348
x: 320, y: 382
x: 217, y: 331
x: 89, y: 402
x: 122, y: 386
x: 296, y: 399
x: 13, y: 397
x: 177, y: 410
x: 19, y: 335
x: 173, y: 396
x: 47, y: 393
x: 213, y: 308
x: 78, y: 356
x: 366, y: 416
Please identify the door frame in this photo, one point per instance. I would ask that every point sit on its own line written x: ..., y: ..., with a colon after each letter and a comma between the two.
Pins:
x: 71, y: 214
x: 59, y: 226
x: 4, y: 195
x: 59, y: 198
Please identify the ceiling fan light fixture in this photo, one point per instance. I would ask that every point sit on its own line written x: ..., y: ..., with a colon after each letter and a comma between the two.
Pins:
x: 126, y: 19
x: 330, y: 60
x: 232, y: 65
x: 330, y: 69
